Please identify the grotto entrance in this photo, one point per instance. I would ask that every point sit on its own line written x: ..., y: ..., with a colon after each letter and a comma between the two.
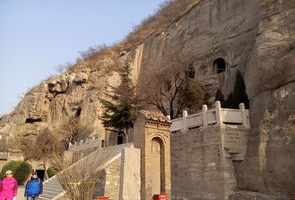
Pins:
x: 237, y: 96
x: 219, y: 65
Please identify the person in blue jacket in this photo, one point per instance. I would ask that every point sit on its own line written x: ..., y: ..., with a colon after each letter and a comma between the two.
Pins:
x: 34, y: 187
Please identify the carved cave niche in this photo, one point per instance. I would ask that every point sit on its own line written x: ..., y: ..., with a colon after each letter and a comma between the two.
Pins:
x: 219, y: 65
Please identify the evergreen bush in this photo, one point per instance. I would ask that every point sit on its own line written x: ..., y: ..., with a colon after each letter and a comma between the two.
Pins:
x: 20, y: 169
x: 51, y: 172
x: 23, y: 172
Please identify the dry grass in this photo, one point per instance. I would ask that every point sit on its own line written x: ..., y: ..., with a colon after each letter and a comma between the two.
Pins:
x: 103, y: 56
x: 169, y: 12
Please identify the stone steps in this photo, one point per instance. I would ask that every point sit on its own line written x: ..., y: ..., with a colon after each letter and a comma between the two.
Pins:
x: 52, y: 188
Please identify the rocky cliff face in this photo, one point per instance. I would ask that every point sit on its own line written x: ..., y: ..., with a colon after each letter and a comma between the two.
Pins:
x: 229, y: 43
x: 255, y: 39
x: 74, y: 93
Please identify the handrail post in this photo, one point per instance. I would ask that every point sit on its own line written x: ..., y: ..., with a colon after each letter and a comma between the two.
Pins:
x: 204, y: 116
x: 184, y: 117
x: 243, y: 114
x: 218, y: 112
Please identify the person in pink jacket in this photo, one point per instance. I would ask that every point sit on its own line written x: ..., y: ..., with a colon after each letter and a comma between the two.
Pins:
x: 0, y: 187
x: 9, y: 187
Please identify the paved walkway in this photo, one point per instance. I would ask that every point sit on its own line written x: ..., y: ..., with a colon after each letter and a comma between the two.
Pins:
x: 20, y: 193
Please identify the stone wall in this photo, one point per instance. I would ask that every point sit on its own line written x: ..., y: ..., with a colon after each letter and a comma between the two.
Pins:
x: 197, y: 165
x: 244, y: 195
x: 120, y: 180
x: 130, y: 182
x: 202, y: 168
x: 112, y: 181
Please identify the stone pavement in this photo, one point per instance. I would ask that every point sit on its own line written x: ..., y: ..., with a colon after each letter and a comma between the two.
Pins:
x: 20, y: 193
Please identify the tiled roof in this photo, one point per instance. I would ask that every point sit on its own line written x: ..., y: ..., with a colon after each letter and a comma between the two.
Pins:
x: 156, y: 116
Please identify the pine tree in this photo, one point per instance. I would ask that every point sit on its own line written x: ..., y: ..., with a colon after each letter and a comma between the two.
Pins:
x: 121, y: 104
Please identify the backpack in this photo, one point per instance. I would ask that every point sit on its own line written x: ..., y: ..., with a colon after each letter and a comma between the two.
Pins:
x: 34, y: 187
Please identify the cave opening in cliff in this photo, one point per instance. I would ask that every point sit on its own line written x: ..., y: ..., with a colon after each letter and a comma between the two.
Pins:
x: 33, y: 120
x: 237, y: 96
x: 78, y: 112
x: 219, y: 65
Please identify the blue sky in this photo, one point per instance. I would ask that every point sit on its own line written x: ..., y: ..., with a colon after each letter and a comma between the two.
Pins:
x: 38, y: 35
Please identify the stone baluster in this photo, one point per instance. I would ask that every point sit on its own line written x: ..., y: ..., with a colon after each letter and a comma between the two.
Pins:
x: 204, y: 116
x: 184, y: 117
x: 244, y: 115
x: 218, y: 112
x: 168, y: 117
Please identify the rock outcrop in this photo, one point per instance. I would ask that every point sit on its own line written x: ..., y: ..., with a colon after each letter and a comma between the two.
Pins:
x: 53, y: 102
x: 255, y: 39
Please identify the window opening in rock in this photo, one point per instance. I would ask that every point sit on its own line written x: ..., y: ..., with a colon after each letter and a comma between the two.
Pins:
x: 219, y: 65
x: 102, y: 143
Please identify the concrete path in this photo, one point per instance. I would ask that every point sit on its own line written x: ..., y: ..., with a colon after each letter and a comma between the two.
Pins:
x: 20, y: 193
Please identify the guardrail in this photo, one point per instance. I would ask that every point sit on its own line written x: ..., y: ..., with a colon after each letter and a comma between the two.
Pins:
x: 216, y: 116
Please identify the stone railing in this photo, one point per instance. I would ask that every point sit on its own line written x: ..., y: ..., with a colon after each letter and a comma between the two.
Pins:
x: 216, y: 116
x: 3, y: 155
x: 85, y: 144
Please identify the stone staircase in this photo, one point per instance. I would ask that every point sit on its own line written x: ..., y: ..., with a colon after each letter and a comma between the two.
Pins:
x: 52, y: 189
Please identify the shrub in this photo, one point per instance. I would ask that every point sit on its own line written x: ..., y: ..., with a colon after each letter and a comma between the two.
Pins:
x: 51, y: 172
x: 20, y: 169
x: 23, y: 172
x: 11, y: 165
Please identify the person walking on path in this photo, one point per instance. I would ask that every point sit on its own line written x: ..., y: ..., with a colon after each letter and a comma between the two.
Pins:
x: 0, y: 187
x: 9, y: 187
x: 34, y: 187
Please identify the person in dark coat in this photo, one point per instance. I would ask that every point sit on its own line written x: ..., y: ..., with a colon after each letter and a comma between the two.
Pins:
x: 34, y: 187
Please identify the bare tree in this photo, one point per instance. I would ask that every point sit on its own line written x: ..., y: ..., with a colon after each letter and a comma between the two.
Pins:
x: 172, y: 89
x: 163, y: 90
x: 78, y: 180
x: 71, y: 131
x: 43, y: 148
x: 62, y: 68
x: 54, y: 141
